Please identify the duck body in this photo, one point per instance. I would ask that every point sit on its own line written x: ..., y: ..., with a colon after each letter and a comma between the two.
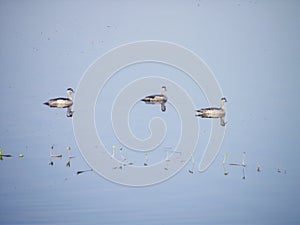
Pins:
x: 153, y: 99
x: 59, y: 102
x: 211, y: 113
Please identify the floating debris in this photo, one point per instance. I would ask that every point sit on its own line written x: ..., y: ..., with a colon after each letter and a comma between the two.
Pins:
x: 146, y: 159
x: 56, y: 156
x: 113, y: 152
x: 83, y: 171
x: 167, y: 150
x: 258, y: 167
x: 223, y: 164
x: 4, y: 155
x: 193, y: 163
x: 68, y: 164
x: 243, y: 165
x: 51, y: 156
x: 280, y: 170
x: 167, y: 159
x: 69, y: 152
x: 123, y: 158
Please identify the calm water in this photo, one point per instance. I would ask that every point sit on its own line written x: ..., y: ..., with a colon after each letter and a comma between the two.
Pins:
x: 46, y: 49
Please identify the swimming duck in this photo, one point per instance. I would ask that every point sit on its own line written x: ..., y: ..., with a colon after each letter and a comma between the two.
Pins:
x: 157, y: 99
x: 214, y: 112
x: 63, y: 102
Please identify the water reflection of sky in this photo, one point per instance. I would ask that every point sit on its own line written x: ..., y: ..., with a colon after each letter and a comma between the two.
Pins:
x: 253, y: 49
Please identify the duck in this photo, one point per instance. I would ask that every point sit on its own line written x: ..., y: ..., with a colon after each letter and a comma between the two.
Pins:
x: 62, y: 102
x: 157, y: 99
x: 214, y: 112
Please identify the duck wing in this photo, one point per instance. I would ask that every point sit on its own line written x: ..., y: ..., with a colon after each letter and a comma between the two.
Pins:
x: 60, y: 98
x: 148, y: 98
x: 207, y: 109
x: 155, y: 99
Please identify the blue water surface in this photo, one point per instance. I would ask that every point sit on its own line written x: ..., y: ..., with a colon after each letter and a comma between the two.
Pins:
x: 251, y: 46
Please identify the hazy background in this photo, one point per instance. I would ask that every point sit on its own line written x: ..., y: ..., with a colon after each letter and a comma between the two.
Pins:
x: 251, y: 46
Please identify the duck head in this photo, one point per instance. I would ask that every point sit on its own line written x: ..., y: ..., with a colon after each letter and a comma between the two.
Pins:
x: 224, y: 99
x: 70, y: 90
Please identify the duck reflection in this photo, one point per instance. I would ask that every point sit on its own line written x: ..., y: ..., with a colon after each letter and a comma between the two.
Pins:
x: 158, y: 99
x: 214, y: 112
